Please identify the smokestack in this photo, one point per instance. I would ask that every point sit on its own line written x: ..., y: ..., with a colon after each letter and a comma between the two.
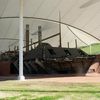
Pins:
x: 76, y: 43
x: 68, y: 44
x: 27, y: 38
x: 39, y: 35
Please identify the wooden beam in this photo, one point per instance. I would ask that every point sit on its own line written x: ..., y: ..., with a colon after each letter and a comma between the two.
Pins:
x: 76, y: 43
x: 39, y: 35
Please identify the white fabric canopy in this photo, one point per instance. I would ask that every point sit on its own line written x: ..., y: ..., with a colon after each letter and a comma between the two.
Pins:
x: 83, y: 14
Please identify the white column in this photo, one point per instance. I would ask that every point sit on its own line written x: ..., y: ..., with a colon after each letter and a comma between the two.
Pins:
x: 21, y: 44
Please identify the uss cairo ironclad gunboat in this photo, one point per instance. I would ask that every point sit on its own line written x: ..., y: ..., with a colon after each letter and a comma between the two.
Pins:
x: 45, y: 59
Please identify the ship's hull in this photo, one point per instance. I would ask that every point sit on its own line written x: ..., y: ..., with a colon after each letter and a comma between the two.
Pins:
x: 77, y: 67
x: 45, y: 59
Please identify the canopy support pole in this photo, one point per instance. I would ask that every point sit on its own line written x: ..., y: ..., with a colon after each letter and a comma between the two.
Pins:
x: 60, y: 44
x: 21, y: 44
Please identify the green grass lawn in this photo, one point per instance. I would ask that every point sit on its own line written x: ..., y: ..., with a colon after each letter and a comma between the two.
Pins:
x: 95, y: 49
x: 39, y: 90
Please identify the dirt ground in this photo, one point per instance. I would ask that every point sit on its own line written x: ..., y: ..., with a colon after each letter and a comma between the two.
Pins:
x: 89, y: 78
